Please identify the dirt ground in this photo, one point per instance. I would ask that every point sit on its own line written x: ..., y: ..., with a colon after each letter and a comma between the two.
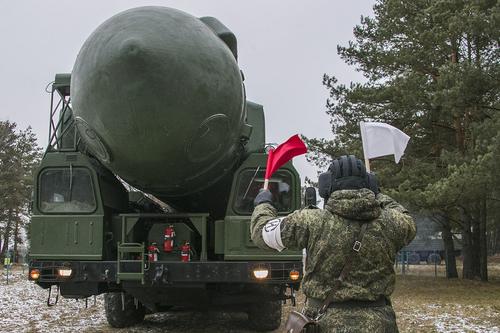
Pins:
x: 423, y: 303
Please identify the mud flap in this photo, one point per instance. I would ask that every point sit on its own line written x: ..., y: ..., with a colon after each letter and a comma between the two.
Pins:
x: 52, y: 301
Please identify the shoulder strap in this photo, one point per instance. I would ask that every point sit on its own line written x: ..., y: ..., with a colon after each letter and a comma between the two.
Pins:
x: 347, y: 266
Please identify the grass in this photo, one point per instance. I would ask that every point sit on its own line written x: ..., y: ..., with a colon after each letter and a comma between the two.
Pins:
x: 429, y: 304
x: 426, y: 303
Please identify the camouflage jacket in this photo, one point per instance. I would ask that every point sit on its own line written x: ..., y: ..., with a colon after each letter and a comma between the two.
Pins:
x: 328, y: 235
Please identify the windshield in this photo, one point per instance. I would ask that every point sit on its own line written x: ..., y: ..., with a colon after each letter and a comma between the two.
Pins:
x: 67, y: 190
x: 249, y: 184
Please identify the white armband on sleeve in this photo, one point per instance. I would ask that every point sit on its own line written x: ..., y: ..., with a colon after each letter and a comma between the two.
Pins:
x: 271, y: 233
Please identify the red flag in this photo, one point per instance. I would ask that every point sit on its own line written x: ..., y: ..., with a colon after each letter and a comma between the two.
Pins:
x: 284, y: 153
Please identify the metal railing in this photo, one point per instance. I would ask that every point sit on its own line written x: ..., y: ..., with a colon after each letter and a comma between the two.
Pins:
x: 61, y: 122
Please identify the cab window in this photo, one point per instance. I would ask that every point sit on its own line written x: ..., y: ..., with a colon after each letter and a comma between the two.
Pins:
x: 66, y: 190
x: 249, y: 184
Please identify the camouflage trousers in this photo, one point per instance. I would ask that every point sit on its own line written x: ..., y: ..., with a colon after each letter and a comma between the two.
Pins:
x: 357, y: 320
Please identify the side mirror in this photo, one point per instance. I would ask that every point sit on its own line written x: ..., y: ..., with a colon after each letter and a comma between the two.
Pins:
x: 310, y: 196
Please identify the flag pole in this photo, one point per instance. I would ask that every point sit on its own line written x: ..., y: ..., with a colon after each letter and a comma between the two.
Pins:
x: 367, y: 160
x: 268, y: 168
x: 367, y: 164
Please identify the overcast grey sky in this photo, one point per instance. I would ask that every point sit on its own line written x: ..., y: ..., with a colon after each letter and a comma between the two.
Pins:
x: 284, y: 48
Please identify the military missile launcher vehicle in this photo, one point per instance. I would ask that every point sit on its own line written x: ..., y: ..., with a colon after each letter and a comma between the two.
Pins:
x: 146, y: 189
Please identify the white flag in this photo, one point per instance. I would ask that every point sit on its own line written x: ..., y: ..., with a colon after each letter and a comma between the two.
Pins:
x: 380, y: 139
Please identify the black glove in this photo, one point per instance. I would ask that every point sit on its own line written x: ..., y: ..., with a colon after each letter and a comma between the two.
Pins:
x: 264, y: 196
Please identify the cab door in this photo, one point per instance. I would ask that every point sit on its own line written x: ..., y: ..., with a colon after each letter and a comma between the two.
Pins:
x: 67, y: 222
x: 248, y: 180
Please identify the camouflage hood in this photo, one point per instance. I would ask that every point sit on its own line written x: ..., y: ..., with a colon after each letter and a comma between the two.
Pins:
x: 354, y: 204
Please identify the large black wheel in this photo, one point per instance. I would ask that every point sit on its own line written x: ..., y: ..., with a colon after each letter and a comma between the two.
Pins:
x: 434, y: 258
x: 125, y: 316
x: 265, y: 316
x: 414, y: 259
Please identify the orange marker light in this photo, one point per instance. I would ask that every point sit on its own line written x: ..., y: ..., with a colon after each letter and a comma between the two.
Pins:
x: 294, y: 275
x: 34, y: 274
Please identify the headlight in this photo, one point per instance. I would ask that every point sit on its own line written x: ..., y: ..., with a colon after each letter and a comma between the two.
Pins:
x: 260, y: 273
x: 64, y: 272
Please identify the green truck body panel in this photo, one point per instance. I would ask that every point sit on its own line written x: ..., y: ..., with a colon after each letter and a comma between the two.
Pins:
x: 74, y: 237
x: 255, y: 118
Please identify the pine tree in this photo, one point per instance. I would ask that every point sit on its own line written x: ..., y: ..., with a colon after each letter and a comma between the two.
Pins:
x: 19, y: 155
x: 432, y: 70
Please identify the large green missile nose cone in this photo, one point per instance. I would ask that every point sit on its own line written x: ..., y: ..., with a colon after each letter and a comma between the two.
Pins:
x: 158, y: 98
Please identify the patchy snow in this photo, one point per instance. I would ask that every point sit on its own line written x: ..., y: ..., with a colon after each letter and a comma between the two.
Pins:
x: 23, y: 308
x: 453, y: 318
x: 456, y: 323
x: 457, y: 318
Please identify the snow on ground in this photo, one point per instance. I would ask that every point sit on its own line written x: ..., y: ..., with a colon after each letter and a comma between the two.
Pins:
x: 452, y: 318
x: 23, y: 308
x: 458, y: 320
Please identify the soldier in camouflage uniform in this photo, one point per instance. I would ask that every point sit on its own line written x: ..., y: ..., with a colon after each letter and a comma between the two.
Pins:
x: 362, y: 302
